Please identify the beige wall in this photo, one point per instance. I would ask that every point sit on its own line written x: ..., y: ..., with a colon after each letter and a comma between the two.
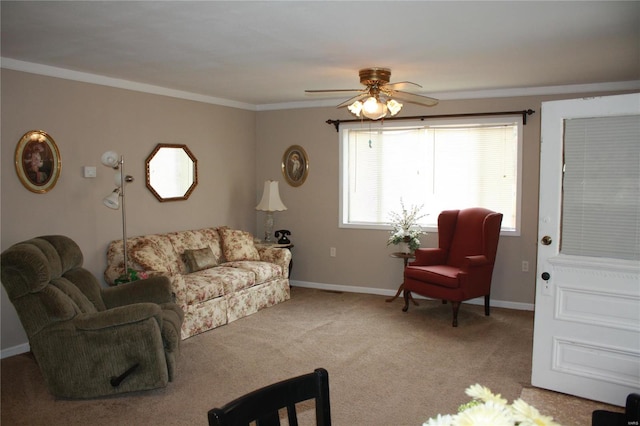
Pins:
x: 362, y: 256
x: 86, y: 120
x: 237, y: 151
x: 362, y: 261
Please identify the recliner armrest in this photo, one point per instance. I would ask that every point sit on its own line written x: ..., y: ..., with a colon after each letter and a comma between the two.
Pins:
x: 154, y: 289
x: 429, y: 256
x: 118, y: 316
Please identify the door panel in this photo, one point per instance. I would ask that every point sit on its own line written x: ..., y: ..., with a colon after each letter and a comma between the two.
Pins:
x: 587, y: 313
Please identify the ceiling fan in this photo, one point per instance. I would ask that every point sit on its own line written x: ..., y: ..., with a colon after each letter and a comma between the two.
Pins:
x: 379, y: 97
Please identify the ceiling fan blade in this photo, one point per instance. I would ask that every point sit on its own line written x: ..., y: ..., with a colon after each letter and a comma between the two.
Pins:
x: 415, y: 99
x: 400, y: 85
x: 333, y: 90
x: 352, y: 100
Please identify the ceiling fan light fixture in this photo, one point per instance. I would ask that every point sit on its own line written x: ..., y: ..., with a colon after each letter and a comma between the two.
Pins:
x: 374, y: 109
x: 355, y: 108
x: 377, y: 86
x: 371, y: 105
x: 394, y: 106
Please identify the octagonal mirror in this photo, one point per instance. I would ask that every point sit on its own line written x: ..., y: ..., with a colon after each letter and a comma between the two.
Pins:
x: 172, y: 172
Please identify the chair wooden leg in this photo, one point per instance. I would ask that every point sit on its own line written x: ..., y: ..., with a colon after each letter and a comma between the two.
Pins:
x: 456, y: 308
x: 407, y: 295
x: 486, y: 305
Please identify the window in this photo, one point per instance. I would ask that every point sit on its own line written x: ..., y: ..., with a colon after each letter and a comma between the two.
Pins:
x: 600, y: 197
x: 437, y: 164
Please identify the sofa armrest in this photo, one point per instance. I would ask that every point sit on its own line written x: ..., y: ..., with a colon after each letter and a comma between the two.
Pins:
x: 429, y: 256
x: 154, y: 289
x: 279, y: 256
x: 119, y: 316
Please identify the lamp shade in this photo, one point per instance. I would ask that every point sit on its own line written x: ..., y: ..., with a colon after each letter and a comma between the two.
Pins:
x: 113, y: 200
x: 110, y: 159
x: 374, y: 109
x: 271, y: 201
x: 394, y: 106
x: 356, y: 108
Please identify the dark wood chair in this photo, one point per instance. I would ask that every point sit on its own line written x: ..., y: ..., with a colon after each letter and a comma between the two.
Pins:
x: 631, y: 415
x: 263, y: 405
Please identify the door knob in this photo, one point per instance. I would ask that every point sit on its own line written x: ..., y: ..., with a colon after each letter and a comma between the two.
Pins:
x: 546, y: 240
x: 545, y: 276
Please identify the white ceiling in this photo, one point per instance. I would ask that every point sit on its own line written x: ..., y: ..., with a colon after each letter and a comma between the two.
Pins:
x: 266, y: 53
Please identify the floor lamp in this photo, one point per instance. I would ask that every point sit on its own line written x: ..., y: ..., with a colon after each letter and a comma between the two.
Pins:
x: 270, y: 203
x: 116, y: 198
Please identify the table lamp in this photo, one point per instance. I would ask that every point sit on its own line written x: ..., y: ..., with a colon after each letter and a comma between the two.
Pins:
x: 270, y: 203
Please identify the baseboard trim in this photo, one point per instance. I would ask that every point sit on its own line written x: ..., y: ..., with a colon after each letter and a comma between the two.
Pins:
x: 386, y: 292
x: 15, y: 350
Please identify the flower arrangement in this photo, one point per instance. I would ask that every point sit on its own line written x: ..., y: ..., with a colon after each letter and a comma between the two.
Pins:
x: 405, y: 227
x: 492, y: 410
x: 131, y: 275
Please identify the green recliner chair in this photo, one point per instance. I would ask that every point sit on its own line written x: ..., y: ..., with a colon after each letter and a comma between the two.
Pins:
x: 90, y: 341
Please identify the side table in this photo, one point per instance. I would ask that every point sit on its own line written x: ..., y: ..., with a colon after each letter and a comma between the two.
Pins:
x: 405, y: 257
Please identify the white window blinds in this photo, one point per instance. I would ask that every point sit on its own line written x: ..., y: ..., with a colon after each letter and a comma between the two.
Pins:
x: 437, y: 165
x: 601, y: 188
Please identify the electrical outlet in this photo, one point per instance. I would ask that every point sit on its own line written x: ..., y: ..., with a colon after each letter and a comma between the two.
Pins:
x: 332, y: 252
x: 525, y: 266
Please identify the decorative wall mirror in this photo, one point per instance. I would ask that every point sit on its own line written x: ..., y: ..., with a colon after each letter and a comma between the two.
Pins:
x: 172, y: 172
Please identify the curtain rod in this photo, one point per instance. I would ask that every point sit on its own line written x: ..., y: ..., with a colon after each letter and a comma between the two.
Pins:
x: 524, y: 113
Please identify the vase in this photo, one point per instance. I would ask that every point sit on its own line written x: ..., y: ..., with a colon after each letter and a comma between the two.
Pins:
x: 403, y: 247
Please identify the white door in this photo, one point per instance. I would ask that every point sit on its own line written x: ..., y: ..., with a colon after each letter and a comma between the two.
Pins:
x: 587, y: 312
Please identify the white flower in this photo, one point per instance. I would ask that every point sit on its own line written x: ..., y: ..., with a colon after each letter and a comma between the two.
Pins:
x: 441, y: 420
x: 488, y: 409
x: 487, y: 414
x: 528, y: 415
x: 484, y: 394
x: 405, y: 227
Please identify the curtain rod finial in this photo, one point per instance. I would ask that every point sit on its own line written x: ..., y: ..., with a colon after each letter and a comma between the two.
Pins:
x: 336, y: 124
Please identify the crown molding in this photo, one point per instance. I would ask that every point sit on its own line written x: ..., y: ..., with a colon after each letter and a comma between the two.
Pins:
x: 541, y: 91
x: 483, y: 94
x: 67, y: 74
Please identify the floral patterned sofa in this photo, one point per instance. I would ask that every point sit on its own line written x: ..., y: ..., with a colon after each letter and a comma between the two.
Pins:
x: 218, y: 274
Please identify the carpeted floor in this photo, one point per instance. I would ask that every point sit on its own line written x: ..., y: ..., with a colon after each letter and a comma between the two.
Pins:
x: 565, y: 409
x: 386, y: 367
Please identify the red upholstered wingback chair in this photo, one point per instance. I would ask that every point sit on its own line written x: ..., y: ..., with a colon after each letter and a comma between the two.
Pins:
x: 461, y: 267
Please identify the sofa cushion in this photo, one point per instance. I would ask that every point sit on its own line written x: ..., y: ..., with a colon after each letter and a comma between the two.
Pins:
x: 149, y: 256
x: 264, y: 271
x: 238, y: 245
x: 160, y: 242
x: 442, y: 275
x: 193, y: 240
x: 215, y: 282
x: 199, y: 259
x: 200, y: 287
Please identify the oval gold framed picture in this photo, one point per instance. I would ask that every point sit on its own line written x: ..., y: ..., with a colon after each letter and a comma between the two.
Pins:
x: 37, y: 161
x: 295, y: 165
